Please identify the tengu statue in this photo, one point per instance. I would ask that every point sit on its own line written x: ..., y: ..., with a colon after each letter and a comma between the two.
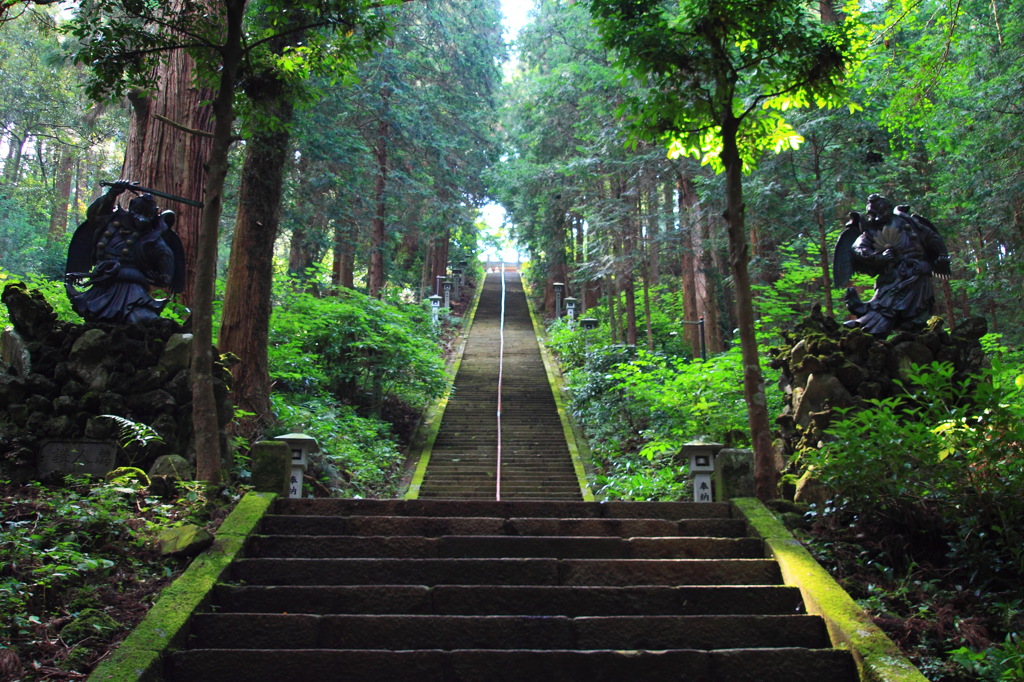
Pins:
x: 119, y: 256
x: 903, y: 252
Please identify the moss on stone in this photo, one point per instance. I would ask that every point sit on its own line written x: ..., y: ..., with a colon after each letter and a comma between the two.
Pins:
x: 140, y: 656
x: 878, y: 658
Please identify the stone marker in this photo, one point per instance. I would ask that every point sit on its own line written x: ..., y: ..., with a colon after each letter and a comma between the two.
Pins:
x: 77, y: 457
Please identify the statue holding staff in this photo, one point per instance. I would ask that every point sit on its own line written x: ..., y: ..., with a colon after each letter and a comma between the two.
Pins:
x: 121, y: 255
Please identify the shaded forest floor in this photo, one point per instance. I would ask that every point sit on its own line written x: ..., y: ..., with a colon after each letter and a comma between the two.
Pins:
x: 949, y: 626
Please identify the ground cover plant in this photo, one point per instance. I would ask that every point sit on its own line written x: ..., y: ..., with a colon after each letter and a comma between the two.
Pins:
x: 355, y: 373
x: 80, y: 567
x: 924, y: 523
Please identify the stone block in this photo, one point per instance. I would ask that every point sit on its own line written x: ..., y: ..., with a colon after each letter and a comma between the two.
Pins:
x: 271, y: 466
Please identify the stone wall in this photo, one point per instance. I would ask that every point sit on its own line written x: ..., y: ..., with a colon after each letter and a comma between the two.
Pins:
x: 826, y: 366
x: 61, y: 378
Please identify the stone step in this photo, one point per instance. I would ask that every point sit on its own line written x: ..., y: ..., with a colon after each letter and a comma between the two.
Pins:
x: 494, y: 546
x: 433, y: 526
x: 534, y: 467
x: 507, y: 571
x: 510, y: 481
x: 374, y: 631
x: 468, y: 665
x: 571, y: 510
x: 512, y: 600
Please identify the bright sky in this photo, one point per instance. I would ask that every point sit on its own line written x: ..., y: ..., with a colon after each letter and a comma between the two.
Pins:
x: 515, y: 12
x: 515, y: 16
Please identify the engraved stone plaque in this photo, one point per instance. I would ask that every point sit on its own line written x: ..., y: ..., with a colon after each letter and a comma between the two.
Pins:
x: 78, y: 457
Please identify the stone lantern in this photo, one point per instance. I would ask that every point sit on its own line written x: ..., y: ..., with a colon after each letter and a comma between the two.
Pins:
x: 570, y: 308
x: 701, y: 457
x: 302, y: 446
x: 589, y: 324
x: 435, y: 306
x: 447, y: 286
x: 457, y: 276
x: 559, y: 289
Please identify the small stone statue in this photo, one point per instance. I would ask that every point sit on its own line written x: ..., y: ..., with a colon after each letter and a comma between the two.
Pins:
x: 120, y: 256
x: 902, y: 251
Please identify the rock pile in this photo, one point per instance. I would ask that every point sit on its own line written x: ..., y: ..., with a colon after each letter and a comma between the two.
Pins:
x: 826, y: 366
x: 63, y: 379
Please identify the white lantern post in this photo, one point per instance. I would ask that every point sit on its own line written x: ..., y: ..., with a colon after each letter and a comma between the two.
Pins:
x: 301, y: 446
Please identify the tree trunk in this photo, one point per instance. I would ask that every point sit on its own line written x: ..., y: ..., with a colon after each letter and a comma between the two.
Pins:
x: 427, y: 273
x: 613, y: 319
x: 245, y: 324
x: 209, y: 463
x: 302, y: 252
x: 343, y: 271
x: 766, y: 472
x: 688, y: 219
x: 62, y: 194
x: 819, y: 219
x: 652, y: 238
x: 13, y: 167
x: 167, y: 158
x: 377, y: 234
x: 709, y: 296
x: 439, y: 267
x: 647, y: 300
x: 627, y: 262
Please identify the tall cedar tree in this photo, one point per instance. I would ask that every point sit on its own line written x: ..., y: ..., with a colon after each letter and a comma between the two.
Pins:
x: 121, y: 50
x: 272, y: 92
x: 718, y: 73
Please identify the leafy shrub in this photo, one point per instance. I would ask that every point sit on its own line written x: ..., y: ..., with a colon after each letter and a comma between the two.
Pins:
x: 52, y: 290
x: 359, y: 456
x: 355, y: 347
x: 24, y: 245
x: 638, y: 408
x: 999, y: 663
x: 939, y: 466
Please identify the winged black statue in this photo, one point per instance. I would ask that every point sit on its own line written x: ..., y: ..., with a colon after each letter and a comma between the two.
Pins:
x: 903, y: 251
x: 118, y: 256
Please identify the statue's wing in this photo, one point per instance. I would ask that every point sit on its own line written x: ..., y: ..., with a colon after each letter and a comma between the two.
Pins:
x: 173, y: 241
x: 80, y: 253
x: 842, y: 256
x: 935, y: 245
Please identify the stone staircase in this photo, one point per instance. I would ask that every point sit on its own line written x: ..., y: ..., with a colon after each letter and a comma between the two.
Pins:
x: 535, y: 460
x: 514, y: 590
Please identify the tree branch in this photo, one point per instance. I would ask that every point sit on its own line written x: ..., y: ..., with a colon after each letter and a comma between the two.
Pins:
x: 178, y: 126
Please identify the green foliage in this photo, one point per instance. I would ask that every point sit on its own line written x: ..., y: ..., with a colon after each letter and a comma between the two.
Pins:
x: 24, y: 247
x: 359, y: 456
x: 999, y: 663
x: 947, y: 450
x: 354, y: 372
x: 638, y: 479
x: 360, y: 349
x: 130, y: 432
x: 52, y: 290
x: 638, y: 408
x: 685, y: 400
x: 68, y: 549
x: 708, y: 63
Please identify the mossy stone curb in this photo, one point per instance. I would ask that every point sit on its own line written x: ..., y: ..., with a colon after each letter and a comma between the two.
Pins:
x: 574, y: 439
x: 878, y: 658
x: 422, y: 444
x: 140, y: 656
